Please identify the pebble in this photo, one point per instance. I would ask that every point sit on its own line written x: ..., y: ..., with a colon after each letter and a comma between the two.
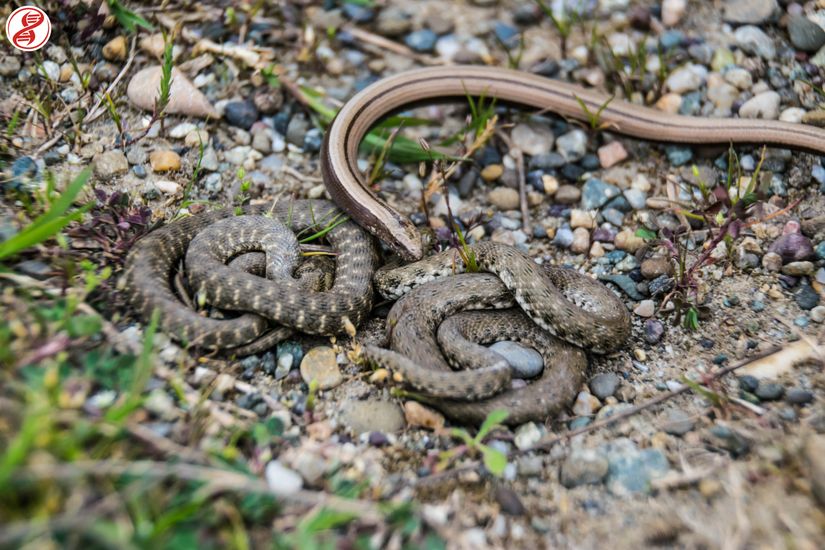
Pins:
x: 627, y: 240
x: 164, y: 161
x: 586, y: 404
x: 419, y: 416
x: 686, y: 79
x: 654, y: 330
x: 798, y: 269
x: 611, y: 154
x: 504, y: 198
x: 806, y: 297
x: 604, y: 385
x: 772, y: 261
x: 422, y: 41
x: 567, y: 194
x: 677, y: 422
x: 242, y: 114
x: 115, y: 49
x: 357, y: 13
x: 296, y: 130
x: 527, y: 435
x: 372, y: 415
x: 630, y: 470
x: 111, y: 163
x: 583, y: 467
x: 792, y: 247
x: 805, y: 34
x: 673, y: 11
x: 581, y: 241
x: 282, y: 480
x: 572, y: 145
x: 532, y: 139
x: 730, y: 440
x: 24, y: 174
x: 168, y: 187
x: 9, y: 65
x: 320, y: 364
x: 492, y: 172
x: 50, y: 70
x: 764, y: 105
x: 393, y: 22
x: 769, y: 391
x: 550, y: 184
x: 818, y: 314
x: 36, y: 269
x: 524, y: 361
x: 749, y: 12
x: 646, y: 308
x: 596, y: 193
x: 184, y: 98
x: 799, y: 396
x: 636, y: 198
x: 754, y: 41
x: 678, y: 155
x: 748, y: 383
x: 581, y: 218
x: 563, y: 237
x: 656, y: 266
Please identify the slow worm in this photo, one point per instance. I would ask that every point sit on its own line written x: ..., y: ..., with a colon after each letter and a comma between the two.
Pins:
x: 349, y: 190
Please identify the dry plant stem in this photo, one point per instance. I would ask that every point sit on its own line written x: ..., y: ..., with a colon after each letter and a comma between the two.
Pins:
x: 385, y: 44
x: 217, y: 479
x: 98, y: 108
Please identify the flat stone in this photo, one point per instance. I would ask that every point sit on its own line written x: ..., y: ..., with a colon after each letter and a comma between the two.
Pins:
x: 656, y: 267
x: 504, y: 198
x: 764, y: 105
x: 532, y: 138
x: 111, y: 163
x: 184, y: 97
x: 321, y: 365
x: 419, y: 416
x: 282, y: 480
x: 749, y: 12
x: 567, y: 194
x: 646, y: 308
x: 805, y: 35
x: 677, y: 422
x: 596, y: 193
x: 630, y: 470
x: 754, y: 41
x: 372, y: 415
x: 604, y: 385
x: 583, y: 467
x: 572, y: 145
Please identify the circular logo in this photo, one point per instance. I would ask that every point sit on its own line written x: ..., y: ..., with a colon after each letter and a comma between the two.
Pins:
x: 28, y: 28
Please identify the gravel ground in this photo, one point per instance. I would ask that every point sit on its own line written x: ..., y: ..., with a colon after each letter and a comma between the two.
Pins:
x: 699, y: 458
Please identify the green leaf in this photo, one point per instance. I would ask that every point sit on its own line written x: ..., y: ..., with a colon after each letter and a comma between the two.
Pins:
x: 493, y: 420
x: 494, y: 460
x: 645, y: 233
x: 84, y: 325
x: 325, y: 519
x: 462, y: 434
x: 49, y: 223
x: 128, y: 19
x: 692, y: 319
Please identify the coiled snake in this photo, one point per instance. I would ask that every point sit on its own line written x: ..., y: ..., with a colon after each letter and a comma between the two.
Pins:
x: 562, y: 303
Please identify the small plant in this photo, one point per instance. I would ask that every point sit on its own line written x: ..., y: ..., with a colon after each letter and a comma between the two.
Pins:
x: 494, y: 460
x: 594, y: 120
x: 128, y: 19
x: 51, y: 222
x: 562, y: 22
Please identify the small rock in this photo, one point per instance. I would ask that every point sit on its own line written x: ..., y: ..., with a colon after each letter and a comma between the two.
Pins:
x: 111, y: 163
x: 772, y: 261
x: 581, y: 241
x: 646, y: 308
x: 799, y: 396
x: 656, y: 267
x: 581, y: 218
x: 164, y: 161
x: 596, y: 193
x: 532, y: 139
x: 563, y: 237
x: 764, y: 105
x: 769, y: 391
x: 792, y: 247
x: 586, y: 404
x: 628, y: 240
x: 167, y: 187
x: 818, y: 314
x: 36, y: 269
x: 297, y: 129
x: 677, y: 422
x: 372, y: 415
x: 184, y: 98
x: 421, y: 41
x: 673, y: 11
x: 527, y: 435
x: 567, y: 194
x: 749, y: 12
x: 321, y: 365
x: 550, y: 185
x: 654, y: 330
x: 754, y: 41
x: 572, y: 145
x: 419, y: 416
x: 9, y: 65
x: 604, y: 385
x: 806, y: 297
x: 115, y: 49
x: 282, y: 480
x: 686, y: 79
x: 583, y: 467
x: 630, y: 470
x: 504, y: 198
x: 525, y: 362
x: 798, y: 269
x: 805, y: 34
x: 242, y: 114
x: 393, y: 21
x: 730, y: 440
x: 611, y: 154
x: 492, y: 172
